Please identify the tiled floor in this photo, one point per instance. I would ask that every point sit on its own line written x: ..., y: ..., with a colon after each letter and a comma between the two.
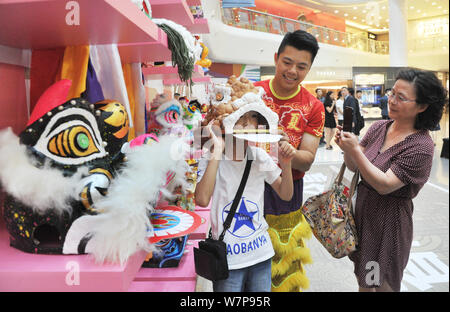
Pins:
x: 427, y: 268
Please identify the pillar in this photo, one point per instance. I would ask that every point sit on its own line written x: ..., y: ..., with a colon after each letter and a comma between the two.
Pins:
x: 398, y: 33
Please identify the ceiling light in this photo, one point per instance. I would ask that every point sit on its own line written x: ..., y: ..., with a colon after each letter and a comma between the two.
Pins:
x: 411, y: 8
x: 383, y: 7
x: 434, y: 3
x: 354, y: 17
x: 355, y: 8
x: 418, y: 11
x: 439, y: 7
x: 336, y: 11
x: 345, y: 14
x: 364, y: 11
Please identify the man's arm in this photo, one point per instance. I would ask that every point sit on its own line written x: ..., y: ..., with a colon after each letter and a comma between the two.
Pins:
x: 306, y: 152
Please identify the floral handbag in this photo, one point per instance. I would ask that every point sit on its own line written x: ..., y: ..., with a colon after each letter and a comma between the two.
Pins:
x: 330, y: 216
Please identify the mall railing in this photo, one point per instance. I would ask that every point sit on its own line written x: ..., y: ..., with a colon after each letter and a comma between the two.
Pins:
x: 265, y: 22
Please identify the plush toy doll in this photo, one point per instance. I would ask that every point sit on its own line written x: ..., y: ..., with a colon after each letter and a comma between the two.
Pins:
x: 232, y: 101
x: 192, y: 115
x: 202, y: 52
x: 72, y: 189
x: 165, y: 116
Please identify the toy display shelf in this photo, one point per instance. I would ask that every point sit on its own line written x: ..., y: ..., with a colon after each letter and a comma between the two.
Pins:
x: 168, y: 72
x: 169, y: 82
x: 20, y: 271
x: 200, y: 26
x: 43, y: 24
x: 143, y: 52
x: 179, y: 12
x: 194, y: 2
x: 174, y: 10
x: 180, y: 278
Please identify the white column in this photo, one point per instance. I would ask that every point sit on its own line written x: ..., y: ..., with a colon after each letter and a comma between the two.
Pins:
x: 398, y: 33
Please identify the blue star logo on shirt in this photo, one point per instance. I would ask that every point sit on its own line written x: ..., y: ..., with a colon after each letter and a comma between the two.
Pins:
x: 244, y: 218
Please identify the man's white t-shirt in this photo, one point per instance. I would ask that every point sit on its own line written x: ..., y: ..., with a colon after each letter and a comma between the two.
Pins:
x: 247, y: 239
x: 340, y: 106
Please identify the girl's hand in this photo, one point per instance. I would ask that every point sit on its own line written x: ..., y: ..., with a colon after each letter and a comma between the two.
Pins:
x: 285, y: 153
x: 218, y: 144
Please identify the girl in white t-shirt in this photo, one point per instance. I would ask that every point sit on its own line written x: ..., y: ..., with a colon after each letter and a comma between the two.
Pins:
x: 249, y: 248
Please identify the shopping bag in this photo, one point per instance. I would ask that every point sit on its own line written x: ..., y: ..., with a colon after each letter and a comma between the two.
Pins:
x: 331, y: 219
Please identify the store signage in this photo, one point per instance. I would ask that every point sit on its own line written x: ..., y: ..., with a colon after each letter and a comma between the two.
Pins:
x: 369, y: 79
x: 433, y: 27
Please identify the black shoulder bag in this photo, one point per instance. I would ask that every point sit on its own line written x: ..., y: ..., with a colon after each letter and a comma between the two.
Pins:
x: 211, y: 255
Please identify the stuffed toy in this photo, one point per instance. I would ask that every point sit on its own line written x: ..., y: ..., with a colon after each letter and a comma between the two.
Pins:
x: 201, y: 54
x: 232, y: 101
x: 165, y: 116
x: 74, y: 186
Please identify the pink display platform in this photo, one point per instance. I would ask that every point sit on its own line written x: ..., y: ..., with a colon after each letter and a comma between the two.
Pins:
x: 174, y: 10
x: 200, y: 232
x: 179, y: 279
x: 169, y: 82
x: 163, y: 286
x: 143, y: 52
x: 207, y: 208
x: 20, y: 271
x: 168, y: 72
x: 43, y: 24
x: 184, y: 272
x: 193, y: 2
x: 200, y: 26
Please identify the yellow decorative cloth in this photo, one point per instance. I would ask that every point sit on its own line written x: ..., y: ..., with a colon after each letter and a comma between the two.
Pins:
x: 74, y: 67
x: 287, y: 233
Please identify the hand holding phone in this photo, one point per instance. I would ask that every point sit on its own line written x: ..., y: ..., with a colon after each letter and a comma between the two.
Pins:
x: 348, y: 119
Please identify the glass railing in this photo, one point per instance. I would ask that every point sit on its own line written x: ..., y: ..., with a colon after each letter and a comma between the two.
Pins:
x: 265, y: 22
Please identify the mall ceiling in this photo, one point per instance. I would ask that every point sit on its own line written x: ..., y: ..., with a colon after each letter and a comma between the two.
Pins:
x: 373, y: 15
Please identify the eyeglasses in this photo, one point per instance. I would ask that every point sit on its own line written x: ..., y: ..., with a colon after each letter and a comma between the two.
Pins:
x: 399, y: 98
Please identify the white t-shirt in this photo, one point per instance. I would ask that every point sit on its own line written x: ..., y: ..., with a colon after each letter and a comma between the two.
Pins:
x: 247, y: 239
x: 340, y: 106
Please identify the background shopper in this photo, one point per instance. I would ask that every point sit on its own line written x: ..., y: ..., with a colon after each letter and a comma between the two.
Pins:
x: 330, y: 121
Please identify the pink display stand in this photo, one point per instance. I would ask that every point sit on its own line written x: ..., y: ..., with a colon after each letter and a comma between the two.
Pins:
x: 184, y: 272
x: 200, y: 26
x: 200, y: 232
x: 20, y: 271
x: 177, y: 81
x: 163, y: 286
x: 168, y: 72
x: 182, y: 278
x: 48, y: 24
x: 174, y: 10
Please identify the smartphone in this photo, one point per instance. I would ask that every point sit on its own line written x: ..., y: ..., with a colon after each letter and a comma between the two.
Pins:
x: 348, y: 119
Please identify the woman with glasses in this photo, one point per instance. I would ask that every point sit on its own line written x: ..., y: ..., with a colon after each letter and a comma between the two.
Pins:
x: 394, y: 160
